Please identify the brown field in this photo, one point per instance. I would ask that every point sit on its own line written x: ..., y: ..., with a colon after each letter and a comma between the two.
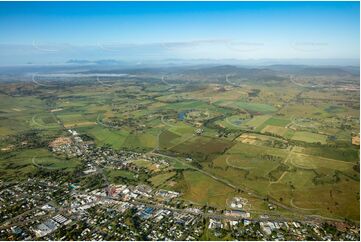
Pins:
x: 203, y: 145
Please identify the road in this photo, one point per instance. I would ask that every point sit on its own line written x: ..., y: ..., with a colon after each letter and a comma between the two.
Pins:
x: 215, y: 215
x: 197, y: 169
x: 233, y: 84
x: 41, y: 166
x: 284, y: 162
x: 251, y: 193
x: 302, y: 85
x: 165, y: 123
x: 221, y: 180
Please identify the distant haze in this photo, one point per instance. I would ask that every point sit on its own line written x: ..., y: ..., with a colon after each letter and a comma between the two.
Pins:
x: 320, y: 33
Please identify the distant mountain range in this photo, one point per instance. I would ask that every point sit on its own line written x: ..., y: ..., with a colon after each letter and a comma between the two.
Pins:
x: 199, y: 67
x: 97, y: 62
x: 237, y: 62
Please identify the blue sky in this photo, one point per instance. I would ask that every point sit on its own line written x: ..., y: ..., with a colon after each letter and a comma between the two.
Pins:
x: 57, y: 31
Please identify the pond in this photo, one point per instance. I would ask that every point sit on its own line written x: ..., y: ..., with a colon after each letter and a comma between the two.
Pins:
x: 181, y: 115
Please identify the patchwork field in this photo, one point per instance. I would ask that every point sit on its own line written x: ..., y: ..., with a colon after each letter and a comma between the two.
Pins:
x: 250, y: 107
x: 285, y: 175
x: 257, y: 140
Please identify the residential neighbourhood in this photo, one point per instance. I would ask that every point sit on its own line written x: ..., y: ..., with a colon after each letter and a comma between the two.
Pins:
x: 45, y: 209
x: 180, y: 120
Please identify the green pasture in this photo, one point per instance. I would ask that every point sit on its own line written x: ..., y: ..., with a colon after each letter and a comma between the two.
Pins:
x: 117, y: 176
x: 22, y: 163
x: 310, y: 137
x: 161, y: 178
x: 203, y: 190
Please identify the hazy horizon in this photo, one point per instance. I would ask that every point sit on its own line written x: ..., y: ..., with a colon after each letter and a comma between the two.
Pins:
x: 53, y: 33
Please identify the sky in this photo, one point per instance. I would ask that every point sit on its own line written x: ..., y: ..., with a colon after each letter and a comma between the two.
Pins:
x: 54, y: 32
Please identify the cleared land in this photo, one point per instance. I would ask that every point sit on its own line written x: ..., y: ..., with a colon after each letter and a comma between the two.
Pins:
x: 291, y: 144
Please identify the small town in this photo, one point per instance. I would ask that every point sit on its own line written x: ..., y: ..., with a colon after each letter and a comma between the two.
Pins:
x: 180, y: 120
x: 54, y: 208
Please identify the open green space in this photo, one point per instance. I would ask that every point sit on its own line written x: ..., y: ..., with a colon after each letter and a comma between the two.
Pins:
x: 310, y: 137
x: 203, y: 190
x: 248, y: 106
x: 161, y: 178
x: 289, y: 144
x: 23, y: 163
x: 119, y: 176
